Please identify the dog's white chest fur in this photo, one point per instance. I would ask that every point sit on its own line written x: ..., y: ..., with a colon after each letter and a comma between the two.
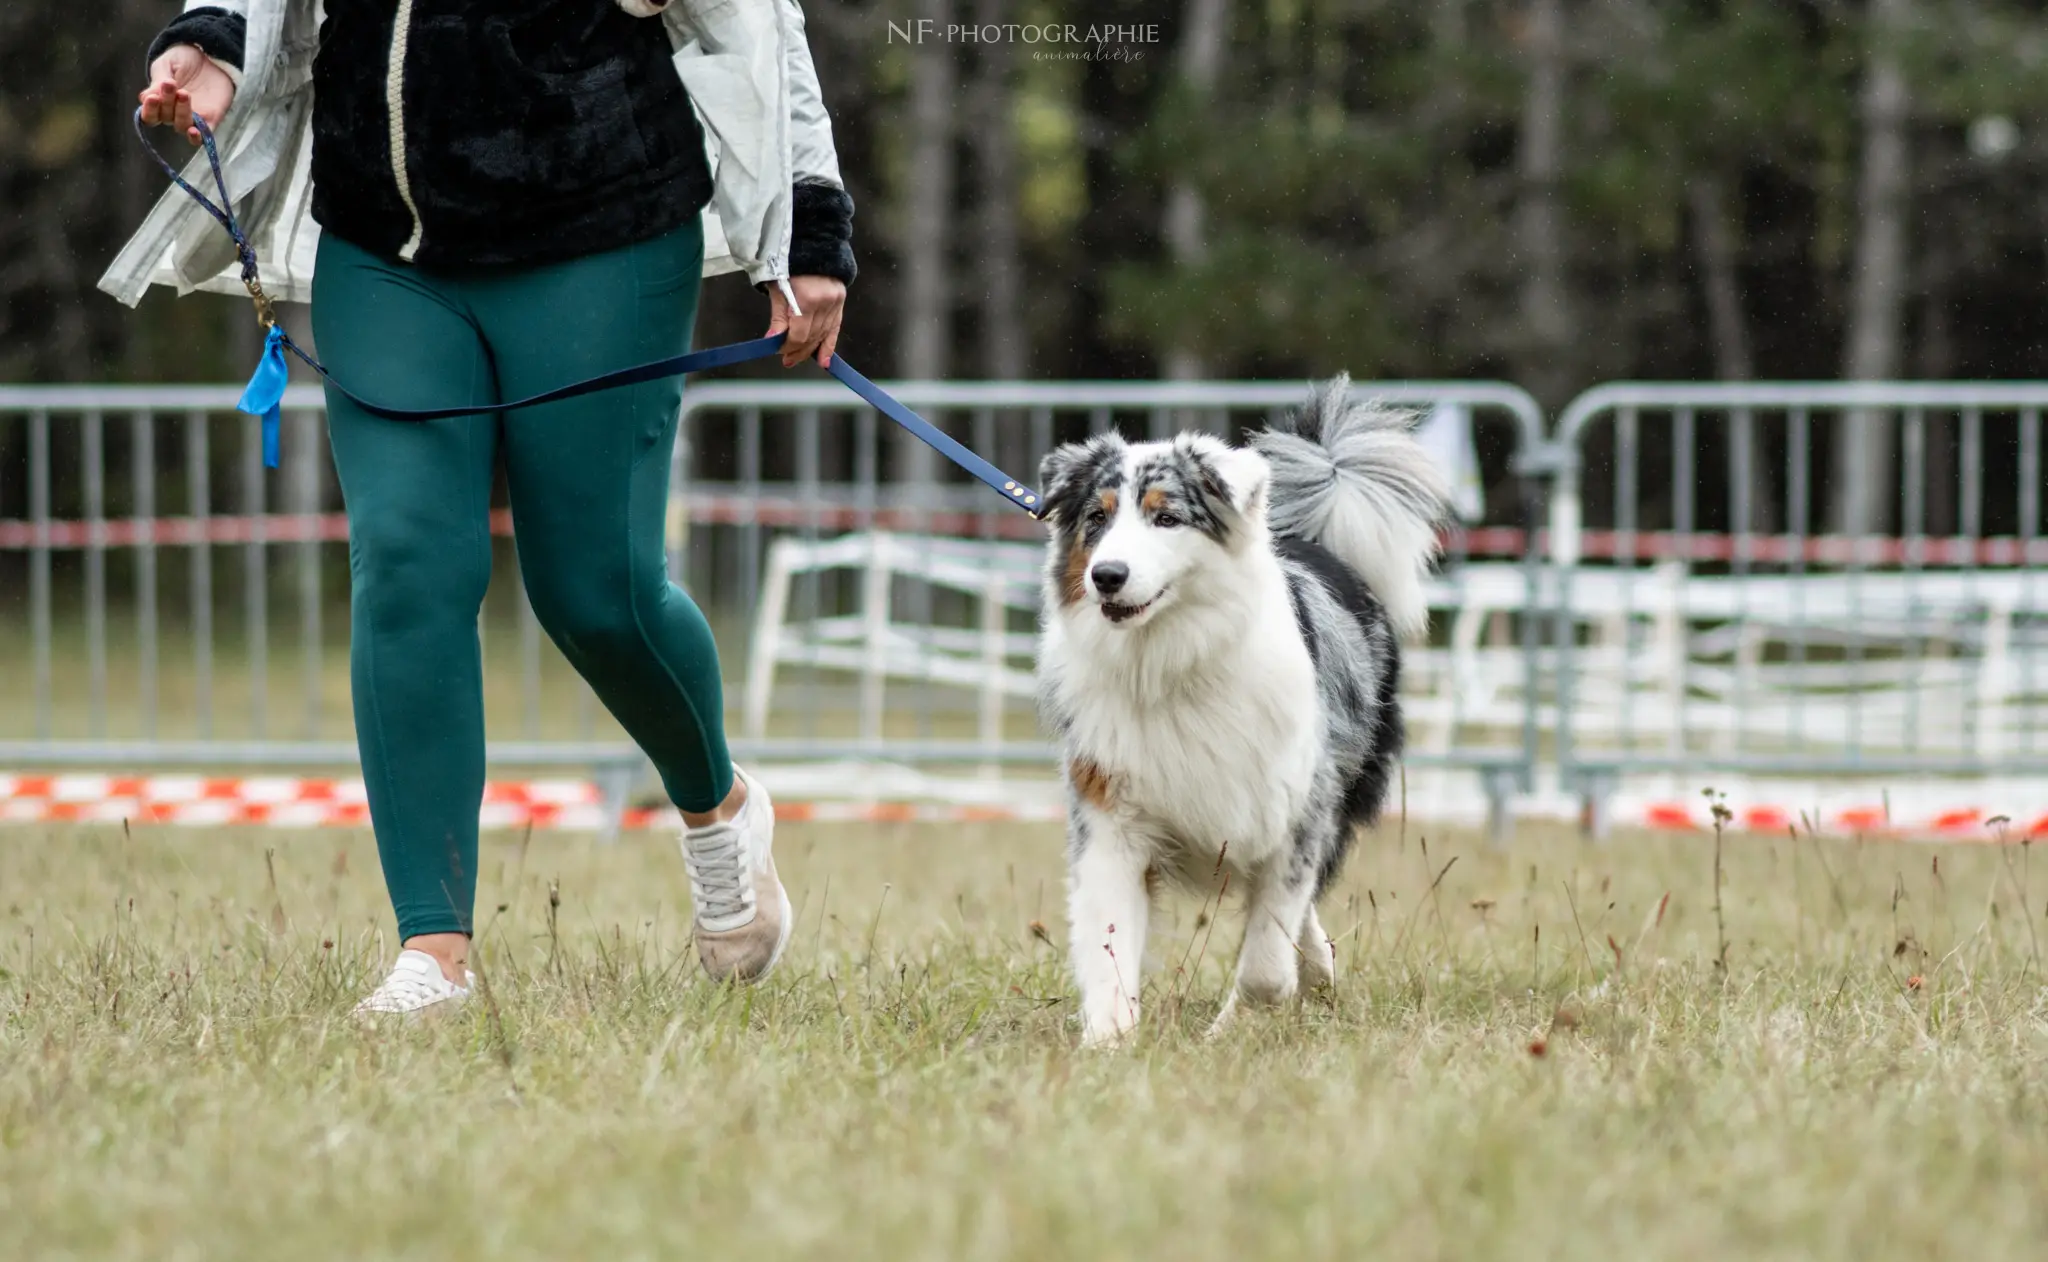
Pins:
x: 1217, y: 751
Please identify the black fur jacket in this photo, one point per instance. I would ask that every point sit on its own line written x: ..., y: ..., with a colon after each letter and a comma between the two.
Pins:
x: 527, y: 131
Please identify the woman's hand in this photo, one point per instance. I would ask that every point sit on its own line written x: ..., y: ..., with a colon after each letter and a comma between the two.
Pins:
x: 184, y: 82
x: 815, y: 333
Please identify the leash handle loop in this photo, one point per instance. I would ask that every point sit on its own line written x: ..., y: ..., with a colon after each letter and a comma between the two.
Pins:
x: 223, y: 213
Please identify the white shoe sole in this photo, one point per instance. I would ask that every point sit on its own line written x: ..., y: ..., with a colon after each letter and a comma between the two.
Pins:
x: 788, y: 926
x: 781, y: 891
x: 440, y: 1009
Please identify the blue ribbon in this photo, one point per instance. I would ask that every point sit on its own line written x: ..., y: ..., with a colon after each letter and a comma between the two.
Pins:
x: 265, y: 395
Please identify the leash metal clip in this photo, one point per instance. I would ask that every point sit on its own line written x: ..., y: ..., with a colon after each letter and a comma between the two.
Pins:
x: 266, y: 307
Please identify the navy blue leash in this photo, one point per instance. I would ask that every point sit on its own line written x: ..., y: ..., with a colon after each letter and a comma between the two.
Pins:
x: 265, y: 394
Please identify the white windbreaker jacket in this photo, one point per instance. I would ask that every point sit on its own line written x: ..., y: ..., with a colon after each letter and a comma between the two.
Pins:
x: 745, y: 63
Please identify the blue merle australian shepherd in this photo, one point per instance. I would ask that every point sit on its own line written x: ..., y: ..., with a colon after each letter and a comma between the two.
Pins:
x: 1219, y: 662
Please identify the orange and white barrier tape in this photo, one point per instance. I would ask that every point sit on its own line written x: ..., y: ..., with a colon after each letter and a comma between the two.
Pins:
x: 283, y: 802
x: 286, y: 802
x: 700, y: 508
x: 706, y: 507
x: 1963, y: 823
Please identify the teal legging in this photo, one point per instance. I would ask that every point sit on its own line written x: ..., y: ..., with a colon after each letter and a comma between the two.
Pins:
x: 589, y: 485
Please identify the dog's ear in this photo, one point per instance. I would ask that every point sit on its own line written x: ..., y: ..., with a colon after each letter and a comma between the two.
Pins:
x: 1238, y: 477
x: 1069, y: 473
x: 1056, y: 481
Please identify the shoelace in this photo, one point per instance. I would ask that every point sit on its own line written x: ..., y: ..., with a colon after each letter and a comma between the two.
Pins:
x: 718, y: 878
x: 403, y: 990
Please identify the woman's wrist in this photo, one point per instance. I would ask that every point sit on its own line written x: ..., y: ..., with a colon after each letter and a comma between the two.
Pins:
x: 233, y: 72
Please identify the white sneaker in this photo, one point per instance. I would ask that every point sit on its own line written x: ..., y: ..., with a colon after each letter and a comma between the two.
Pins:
x: 416, y: 987
x: 743, y: 916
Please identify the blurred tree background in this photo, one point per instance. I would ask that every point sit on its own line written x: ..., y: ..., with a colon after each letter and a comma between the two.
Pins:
x: 1554, y: 192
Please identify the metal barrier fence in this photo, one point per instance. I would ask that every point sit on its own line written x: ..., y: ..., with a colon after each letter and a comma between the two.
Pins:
x: 177, y: 603
x: 159, y: 573
x: 154, y: 577
x: 1748, y: 634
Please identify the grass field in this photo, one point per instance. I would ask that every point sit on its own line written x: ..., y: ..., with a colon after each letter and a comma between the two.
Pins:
x: 1521, y: 1060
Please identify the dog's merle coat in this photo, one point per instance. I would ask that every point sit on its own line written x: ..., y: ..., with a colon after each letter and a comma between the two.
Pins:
x: 1358, y: 691
x: 1220, y: 662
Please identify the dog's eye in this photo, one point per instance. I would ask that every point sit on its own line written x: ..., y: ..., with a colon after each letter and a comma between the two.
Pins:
x: 1166, y: 521
x: 1096, y: 516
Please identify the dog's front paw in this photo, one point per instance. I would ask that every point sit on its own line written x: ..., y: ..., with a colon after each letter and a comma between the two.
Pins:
x: 1268, y: 984
x: 1115, y: 1026
x: 1318, y: 964
x: 1108, y: 1040
x: 1224, y: 1016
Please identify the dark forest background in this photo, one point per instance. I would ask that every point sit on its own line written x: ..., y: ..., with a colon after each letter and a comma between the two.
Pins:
x: 1552, y: 192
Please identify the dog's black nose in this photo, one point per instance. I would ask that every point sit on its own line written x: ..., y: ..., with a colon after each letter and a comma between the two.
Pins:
x: 1110, y: 577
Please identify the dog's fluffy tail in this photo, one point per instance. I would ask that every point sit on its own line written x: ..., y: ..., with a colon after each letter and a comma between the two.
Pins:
x: 1351, y: 477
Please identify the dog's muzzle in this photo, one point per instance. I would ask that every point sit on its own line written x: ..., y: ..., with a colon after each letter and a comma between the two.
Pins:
x: 1119, y: 611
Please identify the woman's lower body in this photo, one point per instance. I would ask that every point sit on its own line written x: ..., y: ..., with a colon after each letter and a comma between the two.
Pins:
x: 588, y: 482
